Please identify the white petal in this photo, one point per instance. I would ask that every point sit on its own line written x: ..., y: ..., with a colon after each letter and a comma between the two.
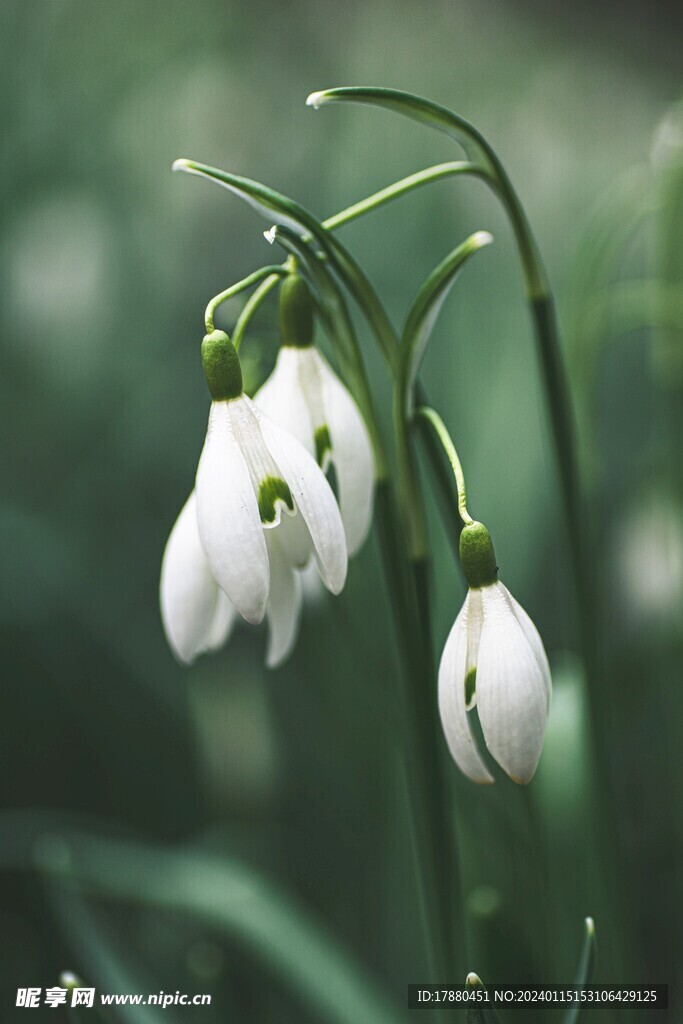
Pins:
x: 188, y: 592
x: 314, y: 499
x: 534, y: 638
x: 229, y: 522
x: 475, y: 621
x: 223, y: 621
x: 352, y: 456
x: 295, y: 540
x: 454, y: 718
x: 312, y: 586
x: 284, y: 603
x: 282, y: 398
x: 511, y: 688
x: 260, y: 463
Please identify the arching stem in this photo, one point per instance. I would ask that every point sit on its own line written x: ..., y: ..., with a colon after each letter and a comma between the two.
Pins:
x: 235, y: 289
x: 439, y: 427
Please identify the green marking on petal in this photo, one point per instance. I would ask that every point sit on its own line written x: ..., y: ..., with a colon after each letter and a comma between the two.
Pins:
x: 470, y: 686
x: 323, y: 443
x: 271, y: 490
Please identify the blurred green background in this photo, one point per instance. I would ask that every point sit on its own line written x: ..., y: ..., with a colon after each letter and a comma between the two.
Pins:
x: 107, y: 261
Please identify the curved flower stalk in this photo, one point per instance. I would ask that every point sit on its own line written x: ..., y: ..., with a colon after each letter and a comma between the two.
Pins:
x: 494, y: 659
x: 305, y: 396
x: 261, y: 508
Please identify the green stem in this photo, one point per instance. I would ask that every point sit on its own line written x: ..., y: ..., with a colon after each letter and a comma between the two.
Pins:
x: 418, y: 327
x: 372, y: 202
x: 235, y: 289
x: 352, y: 274
x: 255, y: 300
x: 537, y: 286
x: 401, y: 188
x: 433, y: 840
x: 560, y: 414
x: 444, y: 484
x: 412, y: 504
x: 436, y: 862
x: 439, y: 427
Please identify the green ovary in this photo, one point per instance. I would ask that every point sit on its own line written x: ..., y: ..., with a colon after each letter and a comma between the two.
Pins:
x: 470, y: 685
x: 271, y: 490
x: 323, y: 443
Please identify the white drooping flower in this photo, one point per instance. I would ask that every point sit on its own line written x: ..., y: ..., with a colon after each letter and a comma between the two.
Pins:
x: 305, y: 396
x: 494, y: 658
x: 260, y: 509
x: 198, y: 617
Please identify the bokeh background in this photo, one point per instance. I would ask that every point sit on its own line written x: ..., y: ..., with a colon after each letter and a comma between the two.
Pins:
x: 208, y: 830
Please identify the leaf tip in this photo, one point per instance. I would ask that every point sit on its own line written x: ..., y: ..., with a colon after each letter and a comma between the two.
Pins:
x: 481, y: 238
x: 473, y: 982
x: 181, y: 165
x: 315, y: 99
x: 590, y: 927
x: 271, y: 234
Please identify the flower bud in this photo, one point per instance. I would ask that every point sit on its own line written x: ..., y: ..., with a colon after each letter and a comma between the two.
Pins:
x: 477, y: 556
x: 221, y: 367
x: 296, y: 312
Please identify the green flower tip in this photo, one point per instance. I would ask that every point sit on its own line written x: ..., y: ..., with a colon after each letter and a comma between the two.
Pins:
x: 477, y: 556
x: 470, y: 686
x: 323, y: 443
x: 221, y: 367
x: 272, y: 490
x: 296, y: 312
x: 590, y: 927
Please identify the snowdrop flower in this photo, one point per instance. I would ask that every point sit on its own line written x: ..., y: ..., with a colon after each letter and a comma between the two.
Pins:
x: 494, y: 658
x: 196, y: 614
x: 198, y: 617
x: 305, y: 396
x: 260, y: 508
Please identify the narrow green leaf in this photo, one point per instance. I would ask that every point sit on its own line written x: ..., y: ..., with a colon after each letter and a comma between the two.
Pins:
x: 398, y: 189
x: 479, y: 151
x: 233, y: 898
x: 285, y: 211
x: 585, y: 970
x: 426, y: 308
x: 270, y: 204
x: 444, y: 483
x: 409, y: 105
x: 109, y: 965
